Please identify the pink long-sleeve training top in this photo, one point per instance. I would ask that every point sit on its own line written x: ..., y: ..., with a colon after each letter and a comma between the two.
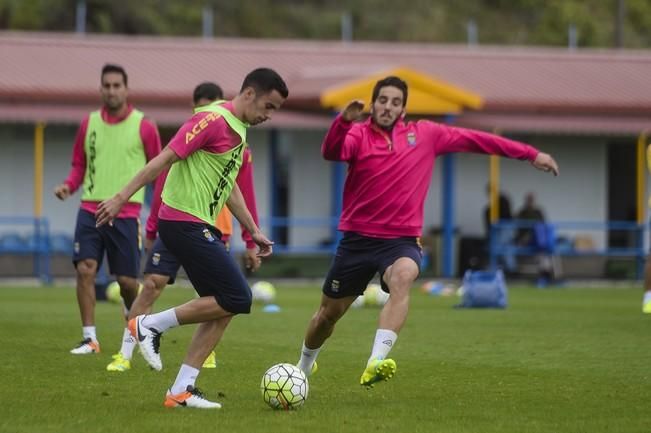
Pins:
x: 389, y: 172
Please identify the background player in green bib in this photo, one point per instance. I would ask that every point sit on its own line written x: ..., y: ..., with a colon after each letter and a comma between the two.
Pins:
x: 204, y: 156
x: 111, y: 146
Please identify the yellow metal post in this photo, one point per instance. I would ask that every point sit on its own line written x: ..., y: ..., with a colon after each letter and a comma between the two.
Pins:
x: 39, y: 141
x: 494, y: 179
x: 494, y: 188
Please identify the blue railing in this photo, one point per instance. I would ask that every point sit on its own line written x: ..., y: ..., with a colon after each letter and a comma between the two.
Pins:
x: 550, y: 245
x: 36, y: 242
x: 23, y: 235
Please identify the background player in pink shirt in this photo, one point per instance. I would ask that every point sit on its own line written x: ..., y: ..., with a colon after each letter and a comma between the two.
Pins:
x: 390, y: 163
x: 111, y: 145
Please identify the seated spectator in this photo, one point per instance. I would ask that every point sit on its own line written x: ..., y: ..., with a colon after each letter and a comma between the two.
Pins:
x: 539, y: 236
x: 531, y: 212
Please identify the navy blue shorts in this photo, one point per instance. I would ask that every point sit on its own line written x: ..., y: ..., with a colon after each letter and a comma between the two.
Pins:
x: 210, y: 268
x: 162, y: 262
x: 121, y: 241
x: 359, y: 258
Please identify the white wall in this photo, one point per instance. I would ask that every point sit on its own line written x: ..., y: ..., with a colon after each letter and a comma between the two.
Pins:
x: 311, y: 193
x: 17, y: 174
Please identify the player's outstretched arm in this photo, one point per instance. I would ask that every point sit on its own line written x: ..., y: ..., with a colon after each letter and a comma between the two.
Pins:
x: 108, y: 209
x: 545, y: 162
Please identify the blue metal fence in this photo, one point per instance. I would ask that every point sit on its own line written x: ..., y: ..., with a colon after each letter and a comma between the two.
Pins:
x: 552, y: 246
x: 30, y: 236
x: 35, y: 242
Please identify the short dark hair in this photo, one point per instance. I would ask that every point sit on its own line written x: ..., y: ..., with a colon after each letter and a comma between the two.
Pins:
x: 265, y: 80
x: 114, y: 68
x: 392, y: 81
x: 207, y: 90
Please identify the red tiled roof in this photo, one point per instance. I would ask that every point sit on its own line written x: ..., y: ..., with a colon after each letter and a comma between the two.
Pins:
x: 64, y: 68
x: 565, y: 124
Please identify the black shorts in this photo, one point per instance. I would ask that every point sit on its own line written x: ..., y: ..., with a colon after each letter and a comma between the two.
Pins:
x: 162, y: 262
x: 359, y: 258
x: 210, y: 268
x: 121, y: 241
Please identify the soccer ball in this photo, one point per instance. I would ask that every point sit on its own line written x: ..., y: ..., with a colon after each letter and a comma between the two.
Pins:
x: 284, y: 386
x: 374, y: 295
x: 263, y: 291
x: 113, y: 293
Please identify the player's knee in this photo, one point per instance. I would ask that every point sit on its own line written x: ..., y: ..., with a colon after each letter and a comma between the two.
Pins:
x: 87, y: 268
x: 149, y: 292
x: 402, y: 278
x: 328, y: 316
x: 154, y: 284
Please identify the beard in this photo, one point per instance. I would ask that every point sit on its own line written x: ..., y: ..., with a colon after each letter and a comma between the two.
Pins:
x: 384, y: 122
x: 114, y: 104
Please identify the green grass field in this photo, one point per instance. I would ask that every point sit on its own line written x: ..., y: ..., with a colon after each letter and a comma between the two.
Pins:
x: 560, y: 360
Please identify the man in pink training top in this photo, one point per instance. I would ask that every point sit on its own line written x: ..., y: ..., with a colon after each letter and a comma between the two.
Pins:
x: 390, y: 166
x: 112, y: 145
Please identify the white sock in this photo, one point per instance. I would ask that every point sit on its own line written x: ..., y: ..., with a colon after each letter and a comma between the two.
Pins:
x: 89, y: 332
x: 308, y: 357
x: 128, y: 344
x: 647, y: 296
x: 162, y: 321
x: 385, y: 339
x: 187, y: 376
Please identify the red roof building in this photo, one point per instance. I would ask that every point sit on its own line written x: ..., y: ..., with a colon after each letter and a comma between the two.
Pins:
x: 54, y: 78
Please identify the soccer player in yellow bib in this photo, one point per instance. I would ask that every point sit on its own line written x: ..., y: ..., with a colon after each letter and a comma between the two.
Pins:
x: 162, y: 267
x: 111, y: 146
x: 203, y: 159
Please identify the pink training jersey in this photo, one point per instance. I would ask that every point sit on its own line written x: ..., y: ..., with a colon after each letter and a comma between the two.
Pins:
x: 151, y: 143
x: 245, y: 182
x: 214, y: 136
x: 389, y: 172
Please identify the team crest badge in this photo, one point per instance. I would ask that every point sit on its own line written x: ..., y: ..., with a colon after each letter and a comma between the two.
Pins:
x: 208, y: 235
x: 411, y: 138
x: 155, y: 259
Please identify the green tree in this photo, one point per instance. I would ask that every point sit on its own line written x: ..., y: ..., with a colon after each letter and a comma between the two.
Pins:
x: 522, y: 22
